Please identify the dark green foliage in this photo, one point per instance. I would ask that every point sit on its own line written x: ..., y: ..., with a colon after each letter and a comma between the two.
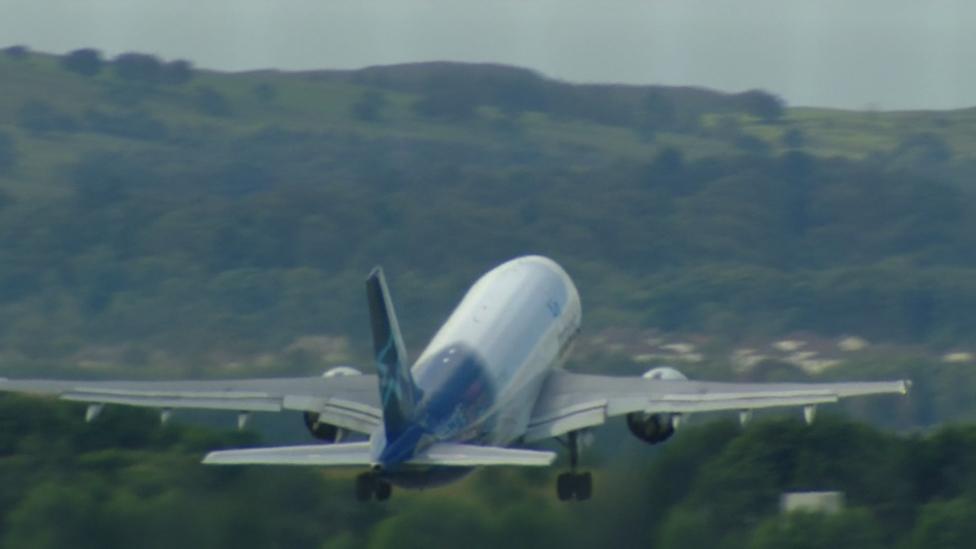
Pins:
x: 761, y: 104
x: 369, y: 106
x: 177, y: 72
x: 946, y: 525
x: 85, y: 61
x: 125, y: 481
x: 136, y: 124
x: 17, y: 52
x: 8, y: 153
x: 265, y: 92
x: 850, y: 529
x: 448, y: 102
x: 41, y: 117
x: 922, y: 150
x: 138, y: 68
x: 744, y: 247
x: 211, y: 102
x: 453, y: 91
x: 794, y: 138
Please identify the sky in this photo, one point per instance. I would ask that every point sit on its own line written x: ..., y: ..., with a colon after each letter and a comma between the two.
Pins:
x: 855, y: 54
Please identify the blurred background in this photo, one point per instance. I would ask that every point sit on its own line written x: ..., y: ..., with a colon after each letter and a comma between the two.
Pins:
x: 744, y: 191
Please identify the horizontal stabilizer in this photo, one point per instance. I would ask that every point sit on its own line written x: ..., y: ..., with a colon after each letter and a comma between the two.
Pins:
x: 358, y: 453
x: 350, y: 453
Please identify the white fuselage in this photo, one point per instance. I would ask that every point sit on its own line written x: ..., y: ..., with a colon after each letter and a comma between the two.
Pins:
x: 520, y: 320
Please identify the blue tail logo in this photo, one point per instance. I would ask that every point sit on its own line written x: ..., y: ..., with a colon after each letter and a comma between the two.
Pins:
x: 398, y: 394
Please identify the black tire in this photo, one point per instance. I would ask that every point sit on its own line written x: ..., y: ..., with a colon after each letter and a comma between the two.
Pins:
x: 584, y: 486
x: 565, y: 486
x: 383, y: 490
x: 364, y: 487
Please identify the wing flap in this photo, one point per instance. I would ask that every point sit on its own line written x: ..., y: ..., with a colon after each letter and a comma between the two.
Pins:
x: 358, y: 454
x: 349, y: 402
x: 208, y: 402
x: 574, y: 401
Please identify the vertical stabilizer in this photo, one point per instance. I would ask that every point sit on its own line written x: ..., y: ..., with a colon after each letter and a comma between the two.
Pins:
x: 398, y: 393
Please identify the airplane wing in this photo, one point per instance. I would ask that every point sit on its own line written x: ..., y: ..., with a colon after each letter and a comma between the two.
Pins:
x: 569, y: 402
x: 358, y: 453
x: 350, y: 402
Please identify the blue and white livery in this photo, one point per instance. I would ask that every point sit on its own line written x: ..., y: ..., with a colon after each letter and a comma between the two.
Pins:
x: 488, y: 383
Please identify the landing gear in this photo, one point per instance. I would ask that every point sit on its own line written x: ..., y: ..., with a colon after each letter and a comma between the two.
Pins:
x: 369, y: 486
x: 578, y: 485
x: 572, y: 484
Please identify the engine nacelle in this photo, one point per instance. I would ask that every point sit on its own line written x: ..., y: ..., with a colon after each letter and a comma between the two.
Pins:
x: 650, y: 428
x: 655, y: 428
x: 327, y: 432
x: 664, y: 373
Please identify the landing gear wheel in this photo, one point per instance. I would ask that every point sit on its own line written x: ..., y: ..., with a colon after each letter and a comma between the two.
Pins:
x: 584, y: 486
x: 572, y: 484
x: 369, y: 487
x: 564, y: 486
x: 383, y: 490
x: 364, y: 487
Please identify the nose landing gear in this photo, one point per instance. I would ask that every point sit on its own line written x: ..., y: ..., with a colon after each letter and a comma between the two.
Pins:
x: 573, y: 484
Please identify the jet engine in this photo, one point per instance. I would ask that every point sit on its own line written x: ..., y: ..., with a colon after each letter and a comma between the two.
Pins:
x: 655, y: 428
x: 327, y: 432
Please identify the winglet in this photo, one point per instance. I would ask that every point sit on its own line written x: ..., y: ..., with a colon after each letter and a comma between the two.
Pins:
x: 398, y: 393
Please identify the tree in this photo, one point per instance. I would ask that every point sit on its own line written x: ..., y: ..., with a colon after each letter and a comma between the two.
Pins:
x: 945, y: 525
x: 763, y: 105
x: 17, y: 52
x: 85, y: 61
x: 136, y: 124
x: 138, y: 67
x: 922, y: 150
x: 265, y: 92
x: 447, y: 99
x: 8, y: 153
x: 40, y: 117
x: 794, y: 138
x: 211, y: 102
x: 369, y: 106
x: 849, y: 529
x: 177, y: 72
x: 659, y: 110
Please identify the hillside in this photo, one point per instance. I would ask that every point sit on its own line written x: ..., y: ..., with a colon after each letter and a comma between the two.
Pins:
x: 161, y: 220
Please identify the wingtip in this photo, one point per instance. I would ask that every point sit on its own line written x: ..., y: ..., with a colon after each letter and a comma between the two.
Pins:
x: 906, y: 386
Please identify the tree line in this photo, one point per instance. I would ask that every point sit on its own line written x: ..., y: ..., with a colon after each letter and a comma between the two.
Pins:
x: 124, y: 481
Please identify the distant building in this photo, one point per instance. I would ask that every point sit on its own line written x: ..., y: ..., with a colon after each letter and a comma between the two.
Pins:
x: 812, y: 502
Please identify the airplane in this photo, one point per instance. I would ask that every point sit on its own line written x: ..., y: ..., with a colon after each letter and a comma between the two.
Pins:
x: 489, y: 383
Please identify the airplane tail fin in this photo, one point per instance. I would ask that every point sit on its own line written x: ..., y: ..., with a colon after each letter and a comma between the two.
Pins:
x: 398, y: 393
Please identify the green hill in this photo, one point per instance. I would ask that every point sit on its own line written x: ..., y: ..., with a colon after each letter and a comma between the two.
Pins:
x: 160, y: 219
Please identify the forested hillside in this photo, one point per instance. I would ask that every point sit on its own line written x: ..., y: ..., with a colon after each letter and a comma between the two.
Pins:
x: 157, y: 220
x: 157, y: 215
x: 125, y: 482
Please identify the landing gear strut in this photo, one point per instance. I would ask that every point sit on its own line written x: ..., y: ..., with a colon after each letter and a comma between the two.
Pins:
x: 574, y: 484
x: 368, y: 486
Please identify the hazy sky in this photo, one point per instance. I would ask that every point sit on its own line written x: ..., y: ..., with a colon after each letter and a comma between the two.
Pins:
x: 889, y: 54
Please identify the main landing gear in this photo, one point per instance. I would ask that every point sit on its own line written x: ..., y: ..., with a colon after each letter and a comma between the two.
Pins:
x: 573, y: 484
x: 368, y: 487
